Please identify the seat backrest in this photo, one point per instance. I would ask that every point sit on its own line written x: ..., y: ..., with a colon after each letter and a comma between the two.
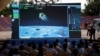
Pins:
x: 48, y: 54
x: 63, y: 54
x: 23, y: 53
x: 33, y: 53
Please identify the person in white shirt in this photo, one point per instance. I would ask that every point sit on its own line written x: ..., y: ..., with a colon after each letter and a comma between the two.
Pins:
x: 81, y: 50
x: 51, y: 49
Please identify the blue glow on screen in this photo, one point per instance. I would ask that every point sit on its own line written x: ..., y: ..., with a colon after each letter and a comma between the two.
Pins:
x: 43, y: 32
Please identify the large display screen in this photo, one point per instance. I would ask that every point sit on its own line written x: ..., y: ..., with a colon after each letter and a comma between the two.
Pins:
x: 50, y: 21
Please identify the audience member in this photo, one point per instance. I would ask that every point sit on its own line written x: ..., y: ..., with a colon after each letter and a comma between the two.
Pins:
x: 81, y: 50
x: 52, y: 49
x: 95, y: 50
x: 40, y: 49
x: 74, y: 48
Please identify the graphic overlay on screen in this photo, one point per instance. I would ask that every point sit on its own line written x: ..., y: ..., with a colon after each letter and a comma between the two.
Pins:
x: 15, y: 14
x: 75, y: 18
x: 50, y: 21
x: 15, y: 11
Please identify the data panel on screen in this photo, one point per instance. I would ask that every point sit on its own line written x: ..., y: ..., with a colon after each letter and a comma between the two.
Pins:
x: 48, y: 22
x: 15, y: 14
x: 15, y: 11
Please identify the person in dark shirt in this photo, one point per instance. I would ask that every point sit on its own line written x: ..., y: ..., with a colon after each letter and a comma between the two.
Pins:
x: 92, y: 33
x: 88, y: 30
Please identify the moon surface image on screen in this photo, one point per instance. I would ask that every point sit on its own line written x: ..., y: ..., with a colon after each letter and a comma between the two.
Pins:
x: 43, y: 17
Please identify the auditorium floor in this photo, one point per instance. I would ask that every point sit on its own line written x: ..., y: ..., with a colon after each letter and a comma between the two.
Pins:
x: 7, y: 34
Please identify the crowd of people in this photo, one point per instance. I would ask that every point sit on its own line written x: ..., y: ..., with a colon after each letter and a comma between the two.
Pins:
x: 55, y: 48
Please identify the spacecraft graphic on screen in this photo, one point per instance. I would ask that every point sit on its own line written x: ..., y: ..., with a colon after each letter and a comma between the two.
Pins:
x: 43, y: 17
